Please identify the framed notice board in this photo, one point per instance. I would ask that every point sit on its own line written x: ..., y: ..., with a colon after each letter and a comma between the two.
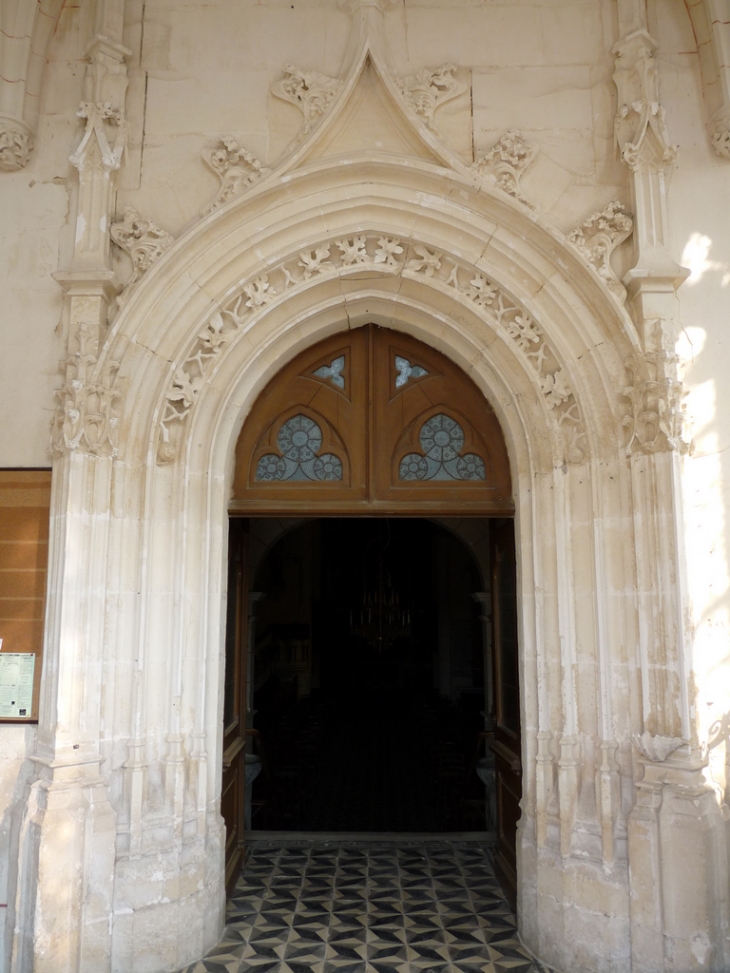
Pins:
x: 25, y: 497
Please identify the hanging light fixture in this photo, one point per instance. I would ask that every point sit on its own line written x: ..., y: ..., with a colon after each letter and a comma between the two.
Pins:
x: 381, y: 618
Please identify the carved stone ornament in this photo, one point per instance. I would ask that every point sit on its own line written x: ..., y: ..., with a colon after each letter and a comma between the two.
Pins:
x: 506, y: 161
x: 387, y: 255
x: 720, y: 133
x: 654, y: 420
x: 597, y: 238
x: 236, y: 168
x: 143, y: 240
x: 310, y: 91
x: 16, y: 145
x: 656, y: 748
x: 84, y: 418
x: 101, y: 119
x: 650, y: 141
x: 427, y: 90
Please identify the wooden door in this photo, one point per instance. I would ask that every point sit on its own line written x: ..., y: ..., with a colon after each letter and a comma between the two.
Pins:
x: 507, y: 738
x: 374, y: 422
x: 234, y: 701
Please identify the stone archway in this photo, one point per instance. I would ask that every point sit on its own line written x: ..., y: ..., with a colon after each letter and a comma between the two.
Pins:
x: 130, y: 729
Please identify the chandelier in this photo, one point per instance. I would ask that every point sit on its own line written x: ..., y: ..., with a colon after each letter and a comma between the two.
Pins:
x: 381, y: 618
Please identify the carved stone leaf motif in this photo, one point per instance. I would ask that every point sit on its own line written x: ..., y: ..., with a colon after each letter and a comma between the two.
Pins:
x: 16, y: 146
x: 506, y: 161
x: 310, y: 91
x: 656, y: 748
x: 143, y: 240
x: 387, y: 255
x: 84, y: 417
x: 428, y: 89
x: 654, y: 418
x: 236, y: 168
x: 597, y: 238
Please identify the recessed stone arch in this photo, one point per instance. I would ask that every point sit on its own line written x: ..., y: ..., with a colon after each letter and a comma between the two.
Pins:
x: 159, y: 597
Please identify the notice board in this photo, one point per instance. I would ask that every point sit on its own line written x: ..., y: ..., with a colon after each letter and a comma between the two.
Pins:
x: 25, y: 497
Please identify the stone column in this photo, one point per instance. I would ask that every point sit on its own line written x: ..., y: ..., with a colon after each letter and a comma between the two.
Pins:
x: 676, y: 830
x: 68, y: 833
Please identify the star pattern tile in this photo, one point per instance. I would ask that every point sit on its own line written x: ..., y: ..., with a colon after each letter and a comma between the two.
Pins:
x: 368, y: 907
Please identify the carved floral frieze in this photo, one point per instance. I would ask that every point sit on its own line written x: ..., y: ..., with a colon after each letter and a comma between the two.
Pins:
x: 16, y: 145
x: 310, y: 91
x: 506, y: 161
x: 597, y: 238
x: 143, y: 240
x: 390, y: 255
x: 84, y: 418
x: 235, y: 166
x: 654, y: 418
x: 429, y: 89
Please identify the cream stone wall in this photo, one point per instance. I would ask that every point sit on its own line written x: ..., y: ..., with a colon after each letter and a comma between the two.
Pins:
x: 623, y: 560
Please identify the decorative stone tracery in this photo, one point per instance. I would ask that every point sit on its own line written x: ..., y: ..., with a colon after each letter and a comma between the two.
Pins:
x: 386, y: 254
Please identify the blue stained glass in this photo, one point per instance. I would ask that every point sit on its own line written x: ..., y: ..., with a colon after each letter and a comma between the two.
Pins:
x: 406, y: 371
x: 333, y: 372
x: 442, y: 440
x: 300, y: 440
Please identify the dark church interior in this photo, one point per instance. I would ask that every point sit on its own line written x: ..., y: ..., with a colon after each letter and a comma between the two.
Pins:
x: 367, y: 681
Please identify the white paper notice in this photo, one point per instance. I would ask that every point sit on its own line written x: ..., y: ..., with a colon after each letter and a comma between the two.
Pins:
x: 16, y: 684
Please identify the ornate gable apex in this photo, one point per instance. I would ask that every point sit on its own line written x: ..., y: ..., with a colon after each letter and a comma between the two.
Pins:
x: 370, y: 118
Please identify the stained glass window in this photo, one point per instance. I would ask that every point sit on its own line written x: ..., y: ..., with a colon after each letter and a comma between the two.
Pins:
x: 442, y: 440
x: 333, y: 372
x: 407, y: 371
x: 300, y: 440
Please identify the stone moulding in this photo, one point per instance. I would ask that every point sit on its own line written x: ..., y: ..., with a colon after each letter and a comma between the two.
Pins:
x: 429, y: 89
x: 16, y: 144
x: 236, y: 168
x: 656, y: 748
x: 144, y: 241
x: 310, y: 91
x: 387, y: 255
x: 506, y: 161
x: 654, y: 420
x: 98, y: 117
x: 598, y: 236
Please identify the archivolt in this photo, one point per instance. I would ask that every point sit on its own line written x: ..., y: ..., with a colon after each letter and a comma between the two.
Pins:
x: 348, y: 243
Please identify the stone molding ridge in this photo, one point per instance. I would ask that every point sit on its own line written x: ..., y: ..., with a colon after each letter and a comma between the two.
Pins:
x: 16, y: 144
x: 506, y: 162
x: 235, y: 166
x: 430, y: 88
x: 711, y: 25
x: 311, y: 92
x: 656, y: 748
x: 597, y: 238
x: 719, y: 126
x: 354, y: 5
x: 387, y: 255
x: 655, y: 419
x: 144, y: 241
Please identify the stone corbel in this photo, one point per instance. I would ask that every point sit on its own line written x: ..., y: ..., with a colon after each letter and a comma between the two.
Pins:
x: 656, y: 748
x: 236, y: 168
x: 311, y: 92
x: 506, y: 161
x: 144, y: 241
x: 597, y: 238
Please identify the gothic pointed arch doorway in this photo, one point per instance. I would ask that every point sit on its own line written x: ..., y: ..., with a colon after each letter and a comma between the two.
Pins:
x: 375, y: 424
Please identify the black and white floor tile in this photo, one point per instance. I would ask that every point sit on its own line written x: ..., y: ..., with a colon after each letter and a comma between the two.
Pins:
x: 368, y: 907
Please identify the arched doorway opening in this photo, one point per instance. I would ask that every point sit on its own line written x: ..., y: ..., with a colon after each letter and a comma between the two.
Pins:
x: 361, y: 670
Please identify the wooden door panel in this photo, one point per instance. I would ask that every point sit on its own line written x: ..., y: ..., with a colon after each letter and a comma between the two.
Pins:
x: 370, y: 409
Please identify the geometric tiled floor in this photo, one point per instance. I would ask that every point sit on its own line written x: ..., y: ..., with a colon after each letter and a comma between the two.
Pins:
x: 368, y: 907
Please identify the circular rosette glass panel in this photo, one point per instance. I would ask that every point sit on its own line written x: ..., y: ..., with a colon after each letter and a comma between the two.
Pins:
x: 300, y: 439
x: 471, y: 467
x: 442, y: 438
x: 328, y: 467
x: 413, y: 467
x: 270, y: 468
